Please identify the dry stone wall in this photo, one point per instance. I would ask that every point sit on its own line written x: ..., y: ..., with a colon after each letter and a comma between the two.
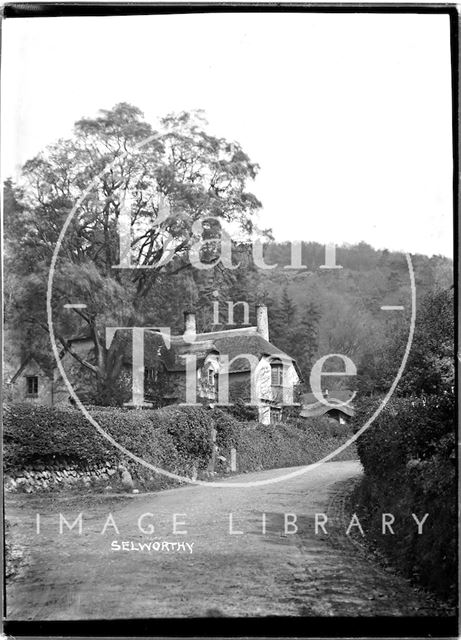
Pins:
x: 56, y: 474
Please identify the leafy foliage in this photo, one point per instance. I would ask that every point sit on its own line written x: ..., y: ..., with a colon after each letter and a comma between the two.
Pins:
x: 408, y: 429
x: 409, y: 460
x: 171, y: 438
x: 430, y: 366
x: 167, y: 179
x: 287, y: 445
x: 179, y: 175
x: 408, y: 454
x: 177, y: 439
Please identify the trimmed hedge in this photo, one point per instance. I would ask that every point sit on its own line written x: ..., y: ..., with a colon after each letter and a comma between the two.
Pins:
x: 409, y: 460
x: 34, y: 433
x: 174, y: 438
x: 287, y: 445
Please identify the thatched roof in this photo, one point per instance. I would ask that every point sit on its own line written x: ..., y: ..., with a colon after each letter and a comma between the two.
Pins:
x: 232, y: 343
x: 156, y: 352
x: 312, y: 407
x: 237, y: 344
x: 320, y: 409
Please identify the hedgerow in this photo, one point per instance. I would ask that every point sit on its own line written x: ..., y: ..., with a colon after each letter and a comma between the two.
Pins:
x: 176, y: 438
x: 173, y: 438
x: 408, y: 456
x: 35, y: 433
x: 287, y: 445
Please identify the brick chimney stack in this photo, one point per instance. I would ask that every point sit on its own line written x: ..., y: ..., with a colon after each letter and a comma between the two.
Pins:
x: 262, y: 323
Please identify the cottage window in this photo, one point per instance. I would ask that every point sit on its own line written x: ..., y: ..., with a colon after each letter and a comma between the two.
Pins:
x: 275, y: 415
x: 149, y: 374
x: 277, y: 374
x: 212, y: 379
x: 32, y: 385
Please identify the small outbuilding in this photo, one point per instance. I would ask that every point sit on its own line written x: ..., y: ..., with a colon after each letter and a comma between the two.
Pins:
x: 32, y: 382
x: 312, y: 407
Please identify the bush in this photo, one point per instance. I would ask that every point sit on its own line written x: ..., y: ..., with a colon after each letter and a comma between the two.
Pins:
x: 176, y: 438
x: 408, y: 455
x: 241, y: 411
x: 228, y: 429
x: 407, y: 429
x: 286, y: 445
x: 34, y: 433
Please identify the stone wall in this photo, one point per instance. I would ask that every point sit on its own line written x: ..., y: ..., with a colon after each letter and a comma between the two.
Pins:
x: 53, y: 475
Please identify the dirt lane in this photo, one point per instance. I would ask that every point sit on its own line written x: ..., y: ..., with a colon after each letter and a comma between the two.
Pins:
x: 90, y: 575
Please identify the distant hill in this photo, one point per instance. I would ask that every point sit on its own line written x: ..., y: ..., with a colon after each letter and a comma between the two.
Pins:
x: 312, y: 311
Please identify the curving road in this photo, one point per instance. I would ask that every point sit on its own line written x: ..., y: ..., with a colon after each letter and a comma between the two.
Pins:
x: 96, y: 574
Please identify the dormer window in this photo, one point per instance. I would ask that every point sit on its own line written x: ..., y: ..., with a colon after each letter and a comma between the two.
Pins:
x: 32, y: 385
x: 277, y: 374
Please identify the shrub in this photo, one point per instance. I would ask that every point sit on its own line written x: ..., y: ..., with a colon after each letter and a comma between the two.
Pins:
x: 407, y: 429
x: 137, y: 432
x: 176, y: 438
x: 190, y: 429
x: 228, y: 429
x: 241, y: 411
x: 37, y: 433
x: 408, y: 455
x: 285, y: 445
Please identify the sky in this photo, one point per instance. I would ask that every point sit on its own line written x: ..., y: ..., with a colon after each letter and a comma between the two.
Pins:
x: 348, y: 115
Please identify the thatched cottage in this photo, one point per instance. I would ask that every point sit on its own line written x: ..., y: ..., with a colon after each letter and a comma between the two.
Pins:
x: 220, y: 363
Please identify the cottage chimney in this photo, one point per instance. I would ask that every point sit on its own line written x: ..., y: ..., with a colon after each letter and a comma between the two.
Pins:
x: 262, y: 322
x: 190, y: 328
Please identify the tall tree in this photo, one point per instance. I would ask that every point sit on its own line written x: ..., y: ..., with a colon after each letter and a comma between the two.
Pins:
x: 168, y: 179
x: 430, y: 365
x: 429, y: 369
x: 306, y: 337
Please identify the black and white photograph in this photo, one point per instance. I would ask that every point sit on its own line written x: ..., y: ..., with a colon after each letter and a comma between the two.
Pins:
x: 229, y: 319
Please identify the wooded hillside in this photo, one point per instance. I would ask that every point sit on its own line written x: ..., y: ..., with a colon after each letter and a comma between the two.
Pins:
x: 169, y: 181
x: 314, y: 312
